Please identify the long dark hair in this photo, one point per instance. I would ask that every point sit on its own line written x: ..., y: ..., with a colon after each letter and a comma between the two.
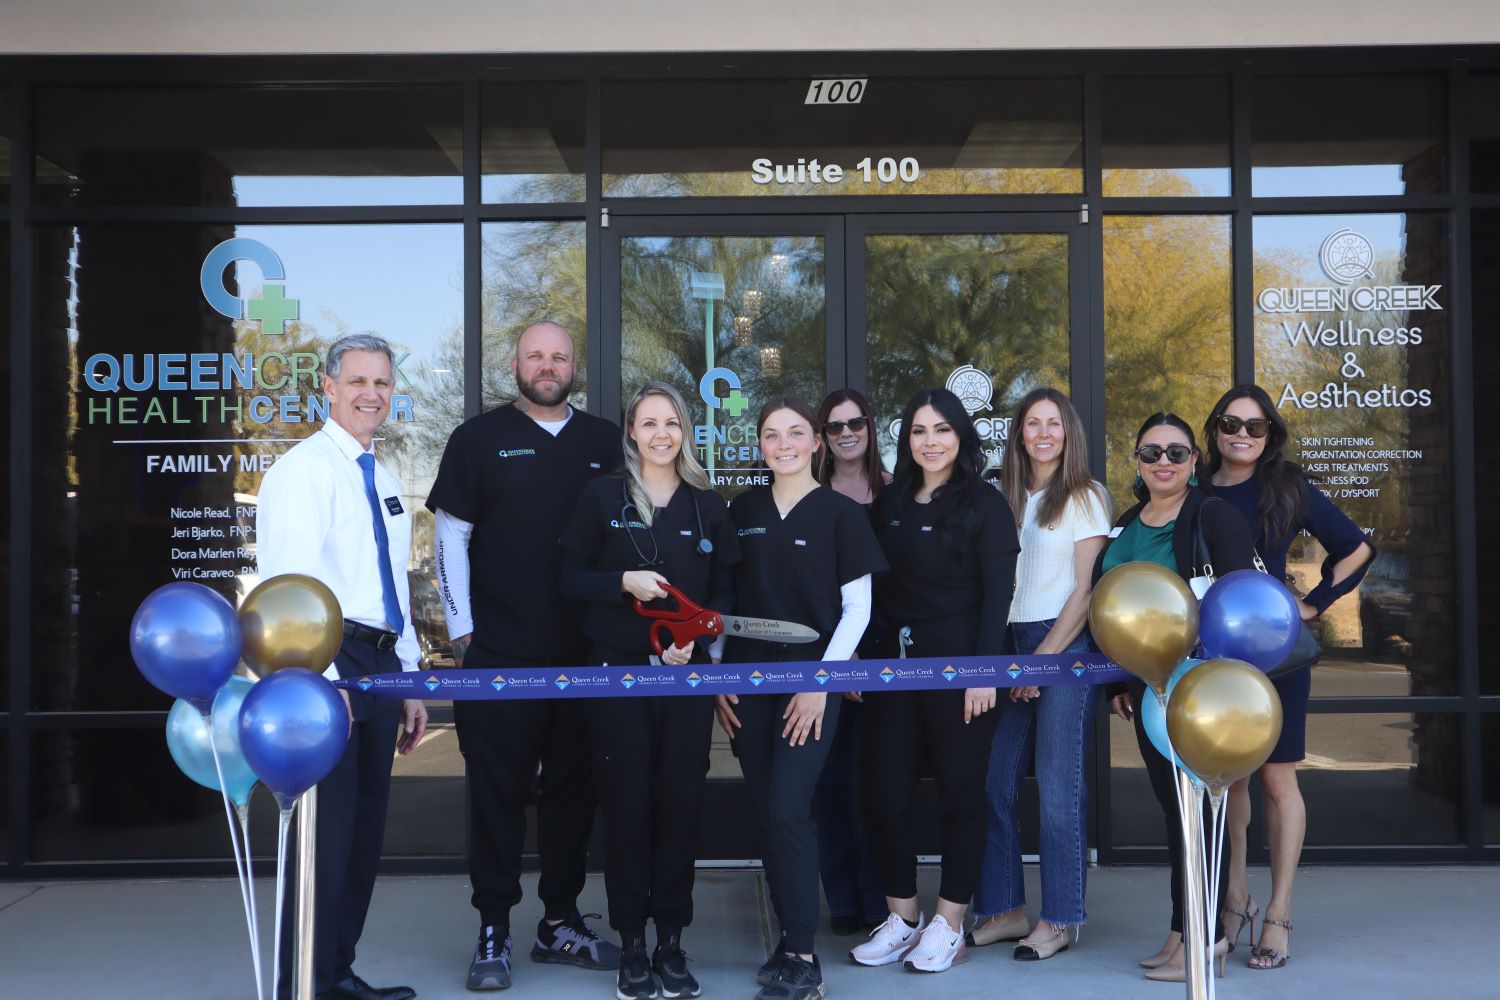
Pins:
x: 953, y: 502
x: 874, y: 468
x: 1281, y: 479
x: 1071, y: 480
x: 1160, y: 419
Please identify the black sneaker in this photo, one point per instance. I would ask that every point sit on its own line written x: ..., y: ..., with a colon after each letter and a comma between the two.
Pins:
x: 636, y: 980
x: 572, y: 943
x: 797, y: 979
x: 490, y: 969
x: 670, y: 965
x: 767, y: 970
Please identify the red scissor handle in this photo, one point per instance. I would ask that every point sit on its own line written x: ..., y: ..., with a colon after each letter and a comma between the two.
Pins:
x: 684, y: 624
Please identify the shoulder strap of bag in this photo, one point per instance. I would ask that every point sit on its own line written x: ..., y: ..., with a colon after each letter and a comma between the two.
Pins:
x: 1201, y: 559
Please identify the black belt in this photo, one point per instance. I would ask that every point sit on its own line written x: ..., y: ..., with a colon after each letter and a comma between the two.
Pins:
x: 377, y: 637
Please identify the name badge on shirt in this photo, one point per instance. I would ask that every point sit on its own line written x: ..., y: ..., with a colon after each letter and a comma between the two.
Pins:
x: 593, y: 465
x: 686, y: 533
x: 799, y: 541
x: 1115, y: 532
x: 926, y: 527
x: 393, y: 504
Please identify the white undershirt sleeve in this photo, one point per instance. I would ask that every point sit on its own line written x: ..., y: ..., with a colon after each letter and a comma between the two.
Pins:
x: 852, y: 622
x: 452, y: 543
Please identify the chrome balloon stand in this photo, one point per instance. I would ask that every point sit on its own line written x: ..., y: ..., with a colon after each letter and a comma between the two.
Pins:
x: 239, y: 839
x: 1200, y: 879
x: 305, y: 892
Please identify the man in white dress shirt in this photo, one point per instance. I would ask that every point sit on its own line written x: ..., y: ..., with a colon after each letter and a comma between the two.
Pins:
x: 329, y: 510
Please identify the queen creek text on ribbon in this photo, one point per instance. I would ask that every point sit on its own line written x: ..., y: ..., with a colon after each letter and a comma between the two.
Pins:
x: 520, y: 683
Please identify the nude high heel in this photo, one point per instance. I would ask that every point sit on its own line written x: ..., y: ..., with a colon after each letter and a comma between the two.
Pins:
x: 1178, y: 973
x: 1165, y: 955
x: 1247, y: 919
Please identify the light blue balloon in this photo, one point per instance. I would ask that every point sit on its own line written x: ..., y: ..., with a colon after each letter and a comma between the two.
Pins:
x: 1154, y: 716
x: 293, y: 728
x: 186, y: 640
x: 188, y: 741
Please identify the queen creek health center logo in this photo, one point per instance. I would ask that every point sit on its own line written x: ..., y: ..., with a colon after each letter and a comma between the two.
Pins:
x: 973, y: 388
x: 1346, y: 256
x: 273, y: 310
x: 734, y: 403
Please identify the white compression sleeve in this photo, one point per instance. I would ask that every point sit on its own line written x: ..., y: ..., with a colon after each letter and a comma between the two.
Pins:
x: 452, y: 544
x: 852, y: 623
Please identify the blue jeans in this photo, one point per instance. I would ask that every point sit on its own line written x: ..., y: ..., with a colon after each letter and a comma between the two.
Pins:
x: 1056, y: 727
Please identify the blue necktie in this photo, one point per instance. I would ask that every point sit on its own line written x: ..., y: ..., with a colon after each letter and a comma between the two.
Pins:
x: 393, y: 616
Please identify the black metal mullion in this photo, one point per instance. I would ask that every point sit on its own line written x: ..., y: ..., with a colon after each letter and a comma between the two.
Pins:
x: 21, y: 460
x: 1242, y: 229
x: 593, y: 156
x: 473, y: 242
x: 835, y: 305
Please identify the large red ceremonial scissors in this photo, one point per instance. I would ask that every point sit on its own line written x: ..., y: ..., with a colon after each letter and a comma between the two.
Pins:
x: 688, y: 622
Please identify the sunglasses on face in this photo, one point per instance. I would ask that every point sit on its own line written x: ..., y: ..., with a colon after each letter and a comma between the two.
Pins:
x: 1152, y: 453
x: 1256, y: 427
x: 833, y: 427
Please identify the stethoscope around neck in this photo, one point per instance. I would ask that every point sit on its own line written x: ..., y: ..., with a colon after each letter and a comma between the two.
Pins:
x: 703, y: 548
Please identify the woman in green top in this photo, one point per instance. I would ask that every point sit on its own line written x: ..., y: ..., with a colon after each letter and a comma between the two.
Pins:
x: 1162, y: 528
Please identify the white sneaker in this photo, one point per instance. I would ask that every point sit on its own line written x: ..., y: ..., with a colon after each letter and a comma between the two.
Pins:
x: 888, y: 943
x: 938, y: 949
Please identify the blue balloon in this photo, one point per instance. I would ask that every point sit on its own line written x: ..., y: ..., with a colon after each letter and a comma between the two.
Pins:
x: 293, y: 728
x: 1154, y: 716
x: 188, y: 740
x: 1246, y: 615
x: 186, y: 640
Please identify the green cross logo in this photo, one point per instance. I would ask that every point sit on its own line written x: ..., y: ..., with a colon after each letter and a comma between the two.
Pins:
x: 273, y: 309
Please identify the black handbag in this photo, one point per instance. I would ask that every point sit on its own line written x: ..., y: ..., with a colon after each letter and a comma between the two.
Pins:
x: 1305, y: 652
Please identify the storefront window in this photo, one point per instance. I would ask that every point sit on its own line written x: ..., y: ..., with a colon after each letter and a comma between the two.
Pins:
x: 763, y: 137
x: 1484, y: 141
x: 1166, y: 137
x: 272, y: 145
x: 1485, y: 254
x: 1489, y: 754
x: 531, y: 271
x: 1347, y: 135
x: 5, y: 476
x: 155, y: 414
x: 4, y: 146
x: 986, y: 314
x: 730, y: 322
x: 1351, y: 342
x: 532, y: 142
x: 1168, y: 328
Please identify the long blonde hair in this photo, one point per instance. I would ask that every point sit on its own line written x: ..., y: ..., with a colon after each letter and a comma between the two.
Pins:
x: 1071, y: 480
x: 688, y: 468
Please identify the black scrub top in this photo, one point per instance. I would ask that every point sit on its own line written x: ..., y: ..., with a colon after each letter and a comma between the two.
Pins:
x: 598, y: 549
x: 792, y: 568
x: 953, y: 591
x: 518, y: 484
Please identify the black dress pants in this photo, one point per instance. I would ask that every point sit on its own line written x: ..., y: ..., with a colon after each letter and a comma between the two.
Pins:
x: 352, y: 802
x: 899, y: 727
x: 1163, y: 784
x: 650, y: 761
x: 781, y: 781
x: 502, y: 743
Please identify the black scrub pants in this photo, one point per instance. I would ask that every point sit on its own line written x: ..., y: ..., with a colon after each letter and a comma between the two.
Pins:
x: 502, y: 743
x: 781, y: 781
x: 1163, y: 785
x: 650, y: 761
x: 352, y: 803
x: 900, y: 727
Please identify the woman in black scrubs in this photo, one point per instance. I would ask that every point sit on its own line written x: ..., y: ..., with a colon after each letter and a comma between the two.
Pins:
x: 950, y: 538
x: 655, y: 522
x: 808, y: 557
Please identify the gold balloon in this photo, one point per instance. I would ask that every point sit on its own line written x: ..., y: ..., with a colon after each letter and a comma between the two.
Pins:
x: 1145, y: 619
x: 291, y: 620
x: 1224, y: 719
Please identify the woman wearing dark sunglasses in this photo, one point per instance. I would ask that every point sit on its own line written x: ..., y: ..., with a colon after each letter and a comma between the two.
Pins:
x: 1162, y: 528
x: 1248, y: 466
x: 850, y: 463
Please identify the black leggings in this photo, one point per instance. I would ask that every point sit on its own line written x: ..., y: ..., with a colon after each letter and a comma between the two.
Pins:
x: 900, y: 728
x: 780, y: 780
x: 1163, y: 784
x: 650, y: 762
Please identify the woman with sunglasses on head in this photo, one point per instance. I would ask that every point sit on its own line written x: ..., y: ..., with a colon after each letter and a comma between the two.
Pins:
x: 951, y: 541
x: 808, y: 558
x: 1163, y: 529
x: 654, y: 523
x: 1247, y: 462
x: 1063, y: 516
x: 850, y: 463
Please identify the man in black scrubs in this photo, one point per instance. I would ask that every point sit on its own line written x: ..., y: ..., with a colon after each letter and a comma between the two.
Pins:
x: 507, y: 487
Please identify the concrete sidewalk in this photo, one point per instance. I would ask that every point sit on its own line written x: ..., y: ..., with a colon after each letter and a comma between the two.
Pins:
x: 1362, y: 932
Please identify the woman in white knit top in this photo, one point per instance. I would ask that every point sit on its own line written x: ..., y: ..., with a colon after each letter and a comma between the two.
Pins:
x: 1063, y: 517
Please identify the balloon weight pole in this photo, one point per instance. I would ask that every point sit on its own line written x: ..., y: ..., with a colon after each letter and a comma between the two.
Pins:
x: 283, y: 828
x: 307, y: 860
x: 240, y: 843
x: 1196, y: 951
x: 1216, y: 862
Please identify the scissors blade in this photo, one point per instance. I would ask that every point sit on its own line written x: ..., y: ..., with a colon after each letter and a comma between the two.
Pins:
x: 768, y: 629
